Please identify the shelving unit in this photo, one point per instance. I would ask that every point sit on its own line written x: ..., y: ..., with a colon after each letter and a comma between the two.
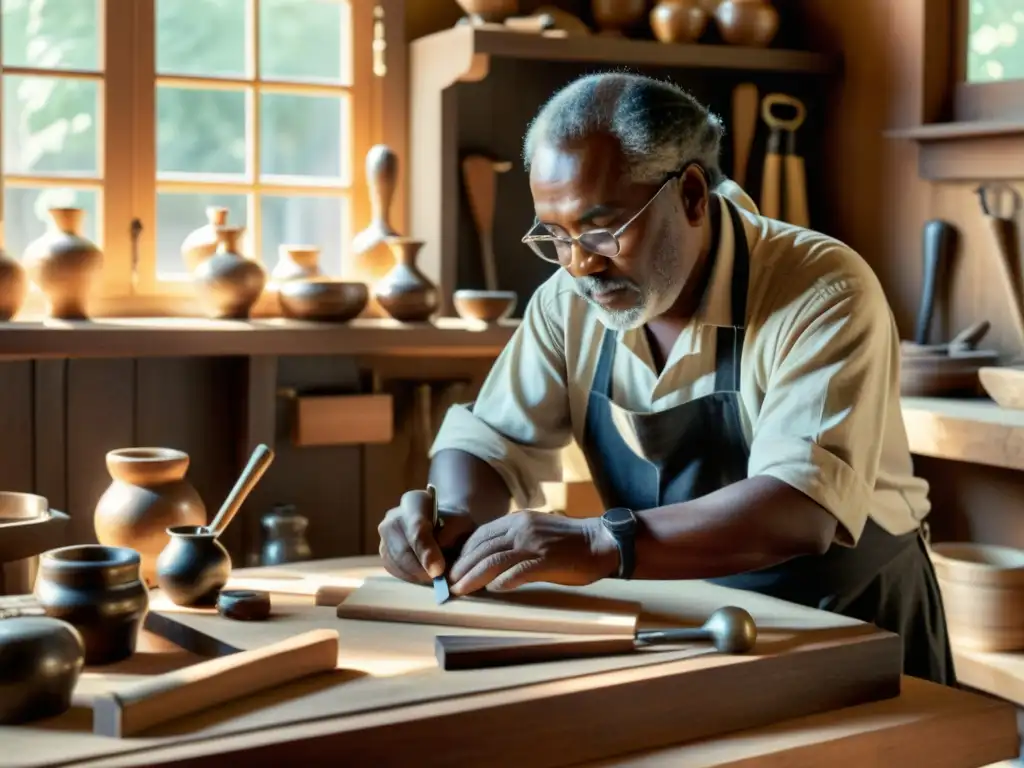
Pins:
x: 975, y: 431
x: 476, y: 88
x: 982, y: 149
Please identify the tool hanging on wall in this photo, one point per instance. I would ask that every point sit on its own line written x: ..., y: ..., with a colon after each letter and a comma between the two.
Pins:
x: 1001, y: 204
x: 781, y: 159
x: 480, y: 175
x: 940, y: 242
x: 744, y: 127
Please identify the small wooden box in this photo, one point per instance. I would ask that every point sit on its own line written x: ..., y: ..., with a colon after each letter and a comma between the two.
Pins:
x: 343, y: 420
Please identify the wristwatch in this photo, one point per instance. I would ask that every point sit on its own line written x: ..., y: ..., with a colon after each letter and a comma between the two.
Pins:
x: 622, y: 524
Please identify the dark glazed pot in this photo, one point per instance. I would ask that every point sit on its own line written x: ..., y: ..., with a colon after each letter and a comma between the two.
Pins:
x: 284, y: 536
x: 193, y: 567
x: 40, y: 661
x: 98, y: 591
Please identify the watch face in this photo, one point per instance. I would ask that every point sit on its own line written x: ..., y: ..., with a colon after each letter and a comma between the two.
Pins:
x: 619, y: 517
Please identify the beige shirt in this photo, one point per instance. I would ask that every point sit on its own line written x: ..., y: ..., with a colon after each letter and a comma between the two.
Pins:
x: 819, y: 385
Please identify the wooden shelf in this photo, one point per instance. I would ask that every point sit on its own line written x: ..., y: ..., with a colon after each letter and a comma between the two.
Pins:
x: 187, y: 337
x: 999, y: 674
x: 967, y: 151
x: 975, y: 431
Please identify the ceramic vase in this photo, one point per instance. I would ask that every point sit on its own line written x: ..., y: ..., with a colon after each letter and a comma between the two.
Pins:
x: 284, y: 536
x: 149, y: 493
x: 405, y: 293
x: 193, y: 567
x: 678, y: 21
x: 489, y: 11
x: 201, y: 243
x: 295, y: 262
x: 13, y: 286
x: 613, y: 17
x: 229, y: 284
x: 64, y: 264
x: 40, y: 661
x: 97, y: 590
x: 750, y: 23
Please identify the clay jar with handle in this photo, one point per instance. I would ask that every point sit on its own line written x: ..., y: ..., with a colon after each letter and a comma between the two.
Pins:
x: 13, y: 286
x: 97, y: 590
x: 750, y: 23
x: 678, y: 21
x: 228, y: 283
x: 148, y: 495
x: 40, y: 661
x: 405, y: 293
x: 615, y: 16
x: 64, y: 264
x: 193, y: 567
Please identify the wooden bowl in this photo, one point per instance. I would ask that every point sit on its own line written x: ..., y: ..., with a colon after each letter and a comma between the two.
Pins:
x: 322, y: 299
x: 927, y: 375
x: 488, y: 306
x: 1005, y: 385
x: 28, y: 526
x: 983, y: 594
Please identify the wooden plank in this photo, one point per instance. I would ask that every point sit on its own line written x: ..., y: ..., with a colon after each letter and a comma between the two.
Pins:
x: 100, y: 418
x: 1000, y: 674
x: 258, y: 426
x: 50, y: 411
x: 343, y: 420
x: 178, y: 337
x: 977, y: 431
x: 16, y: 391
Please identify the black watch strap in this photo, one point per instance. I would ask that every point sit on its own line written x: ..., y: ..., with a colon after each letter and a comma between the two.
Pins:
x: 622, y: 524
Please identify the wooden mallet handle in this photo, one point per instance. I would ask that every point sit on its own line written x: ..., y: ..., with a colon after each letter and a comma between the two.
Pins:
x: 258, y: 464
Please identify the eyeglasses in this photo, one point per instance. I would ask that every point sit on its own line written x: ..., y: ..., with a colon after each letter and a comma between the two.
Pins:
x: 552, y: 243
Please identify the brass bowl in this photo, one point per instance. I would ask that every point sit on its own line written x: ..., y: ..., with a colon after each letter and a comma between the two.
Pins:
x: 487, y: 306
x: 322, y: 299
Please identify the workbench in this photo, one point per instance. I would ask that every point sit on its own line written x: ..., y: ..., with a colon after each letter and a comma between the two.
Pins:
x: 925, y: 725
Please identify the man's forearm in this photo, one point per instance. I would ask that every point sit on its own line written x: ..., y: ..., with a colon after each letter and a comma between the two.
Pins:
x: 467, y: 484
x: 749, y: 525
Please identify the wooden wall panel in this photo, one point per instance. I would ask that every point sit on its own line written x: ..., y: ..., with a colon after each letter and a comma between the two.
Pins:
x: 16, y: 467
x: 49, y: 446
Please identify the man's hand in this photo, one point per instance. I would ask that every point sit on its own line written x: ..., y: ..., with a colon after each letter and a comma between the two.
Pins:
x: 533, y: 546
x: 410, y: 547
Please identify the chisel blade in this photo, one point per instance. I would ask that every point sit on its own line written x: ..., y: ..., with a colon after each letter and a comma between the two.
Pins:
x: 441, y: 591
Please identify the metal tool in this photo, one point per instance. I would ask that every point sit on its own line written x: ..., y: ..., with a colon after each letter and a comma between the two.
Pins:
x: 441, y: 590
x: 730, y: 630
x: 771, y: 203
x: 940, y: 242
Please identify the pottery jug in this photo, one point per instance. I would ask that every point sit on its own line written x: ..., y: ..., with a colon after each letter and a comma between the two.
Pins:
x: 295, y: 262
x: 13, y: 286
x: 148, y: 495
x: 615, y: 16
x: 751, y: 23
x: 284, y: 536
x: 64, y: 265
x: 193, y: 567
x: 228, y: 283
x: 678, y: 21
x: 405, y: 293
x: 97, y: 590
x: 40, y: 661
x: 201, y: 243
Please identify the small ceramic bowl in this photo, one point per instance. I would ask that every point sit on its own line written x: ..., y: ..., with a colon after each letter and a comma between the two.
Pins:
x: 488, y: 306
x: 323, y: 299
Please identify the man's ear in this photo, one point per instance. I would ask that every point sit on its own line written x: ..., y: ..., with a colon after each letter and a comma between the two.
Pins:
x: 694, y: 193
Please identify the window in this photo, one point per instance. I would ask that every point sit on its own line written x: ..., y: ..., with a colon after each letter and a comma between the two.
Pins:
x: 995, y: 41
x: 146, y: 112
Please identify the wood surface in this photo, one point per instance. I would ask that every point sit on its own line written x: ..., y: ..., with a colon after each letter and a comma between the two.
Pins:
x: 162, y: 698
x: 343, y: 420
x: 1005, y: 385
x: 977, y: 431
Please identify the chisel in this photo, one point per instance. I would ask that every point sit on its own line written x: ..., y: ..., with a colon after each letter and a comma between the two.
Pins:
x: 441, y: 590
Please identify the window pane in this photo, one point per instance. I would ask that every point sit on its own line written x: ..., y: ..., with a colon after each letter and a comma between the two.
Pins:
x: 51, y: 34
x: 201, y: 37
x: 308, y: 40
x: 200, y: 131
x: 50, y: 125
x: 25, y: 216
x: 304, y: 136
x: 178, y: 215
x: 319, y: 221
x: 995, y: 42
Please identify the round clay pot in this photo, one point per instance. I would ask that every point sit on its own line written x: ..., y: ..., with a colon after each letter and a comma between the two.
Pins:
x: 148, y: 495
x: 322, y: 299
x: 405, y: 293
x: 613, y: 17
x: 40, y: 661
x: 193, y: 567
x: 295, y: 262
x: 13, y: 286
x: 284, y: 537
x: 490, y: 11
x: 228, y: 283
x: 486, y: 306
x: 97, y: 590
x: 64, y: 265
x: 750, y: 23
x: 678, y: 21
x: 201, y: 243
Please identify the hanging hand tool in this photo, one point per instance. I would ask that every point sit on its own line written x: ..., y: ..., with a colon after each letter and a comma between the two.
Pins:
x: 781, y: 156
x: 744, y: 126
x: 940, y: 241
x: 1001, y: 204
x: 480, y: 175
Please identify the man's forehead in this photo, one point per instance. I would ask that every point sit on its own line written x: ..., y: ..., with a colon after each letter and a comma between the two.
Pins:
x: 594, y: 163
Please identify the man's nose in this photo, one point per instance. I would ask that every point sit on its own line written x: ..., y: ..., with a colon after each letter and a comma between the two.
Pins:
x: 583, y: 263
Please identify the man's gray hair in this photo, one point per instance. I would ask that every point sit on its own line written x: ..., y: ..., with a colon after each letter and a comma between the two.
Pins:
x: 660, y: 127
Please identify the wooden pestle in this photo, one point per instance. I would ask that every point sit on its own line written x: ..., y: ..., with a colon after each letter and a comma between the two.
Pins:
x: 479, y: 174
x: 166, y: 697
x: 381, y: 179
x: 258, y: 464
x: 744, y: 127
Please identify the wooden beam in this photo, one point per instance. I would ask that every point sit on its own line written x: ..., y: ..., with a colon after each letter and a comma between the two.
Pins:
x: 976, y: 431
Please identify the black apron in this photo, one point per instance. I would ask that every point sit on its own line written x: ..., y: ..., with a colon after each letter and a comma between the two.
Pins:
x: 699, y: 447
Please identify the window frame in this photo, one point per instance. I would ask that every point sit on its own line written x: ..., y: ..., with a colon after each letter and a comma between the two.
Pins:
x: 979, y: 102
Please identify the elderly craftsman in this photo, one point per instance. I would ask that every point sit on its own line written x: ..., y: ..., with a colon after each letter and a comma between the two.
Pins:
x: 732, y: 380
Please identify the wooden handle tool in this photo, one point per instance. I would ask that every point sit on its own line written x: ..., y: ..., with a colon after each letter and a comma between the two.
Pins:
x: 744, y: 127
x: 796, y: 186
x: 1003, y: 224
x: 442, y: 592
x: 171, y: 695
x: 258, y: 464
x: 479, y: 174
x: 940, y: 239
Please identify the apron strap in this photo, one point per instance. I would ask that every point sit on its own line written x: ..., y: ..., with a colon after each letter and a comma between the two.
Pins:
x: 729, y: 341
x: 603, y: 375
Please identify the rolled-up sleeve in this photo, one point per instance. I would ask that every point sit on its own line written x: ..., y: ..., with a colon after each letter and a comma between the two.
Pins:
x: 830, y: 386
x: 520, y: 421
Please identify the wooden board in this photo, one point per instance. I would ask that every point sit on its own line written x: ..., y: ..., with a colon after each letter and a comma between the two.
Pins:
x: 387, y: 689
